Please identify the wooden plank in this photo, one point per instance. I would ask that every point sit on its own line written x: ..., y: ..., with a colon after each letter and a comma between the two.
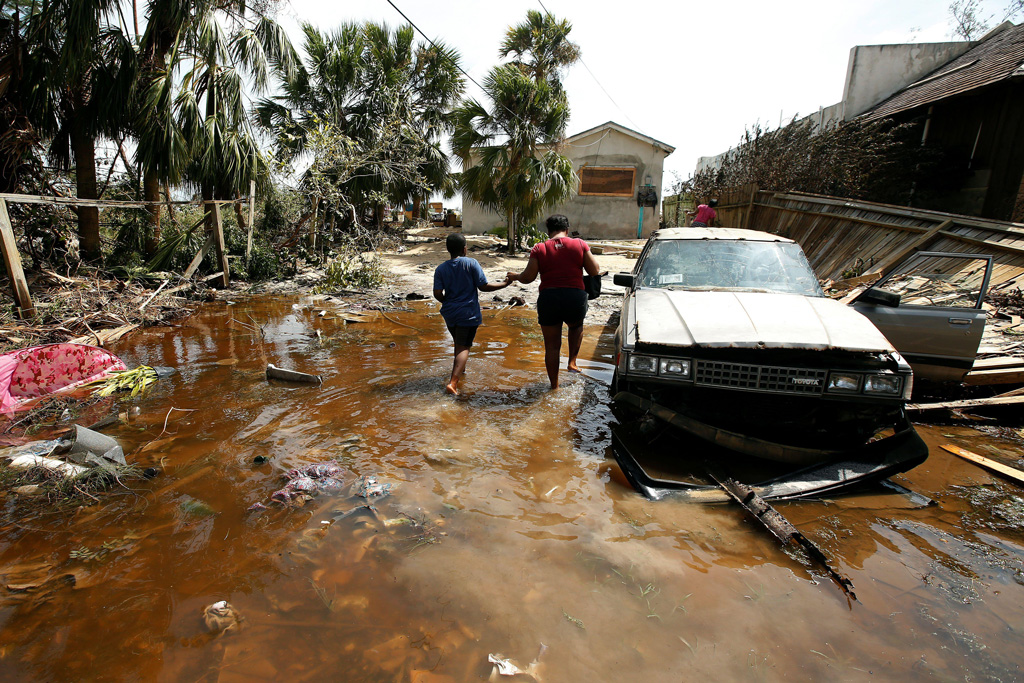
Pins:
x: 200, y: 255
x: 916, y: 245
x: 893, y: 210
x: 1014, y: 375
x: 99, y: 203
x: 854, y: 219
x: 987, y: 463
x: 998, y: 362
x: 218, y: 240
x: 12, y: 262
x: 984, y: 243
x: 966, y: 403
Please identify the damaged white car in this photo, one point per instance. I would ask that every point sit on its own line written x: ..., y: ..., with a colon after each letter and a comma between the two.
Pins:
x: 727, y: 335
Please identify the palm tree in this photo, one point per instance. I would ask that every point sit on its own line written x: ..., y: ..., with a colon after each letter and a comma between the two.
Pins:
x: 192, y: 121
x: 385, y: 98
x: 81, y: 69
x: 509, y: 149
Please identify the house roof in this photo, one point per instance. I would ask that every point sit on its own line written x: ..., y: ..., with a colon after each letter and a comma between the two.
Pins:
x: 625, y: 131
x: 996, y: 59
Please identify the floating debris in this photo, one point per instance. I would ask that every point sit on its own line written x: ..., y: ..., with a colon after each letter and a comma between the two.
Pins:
x: 274, y: 372
x: 506, y: 667
x: 308, y: 481
x: 367, y: 486
x: 221, y: 617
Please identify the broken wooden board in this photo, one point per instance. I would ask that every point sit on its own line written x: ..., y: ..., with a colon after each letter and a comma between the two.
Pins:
x: 1008, y: 375
x: 987, y: 463
x: 997, y: 363
x: 966, y: 403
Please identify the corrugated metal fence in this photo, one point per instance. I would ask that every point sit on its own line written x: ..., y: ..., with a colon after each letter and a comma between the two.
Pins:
x: 848, y: 237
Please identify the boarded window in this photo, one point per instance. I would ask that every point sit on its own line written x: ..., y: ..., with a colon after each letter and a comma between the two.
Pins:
x: 610, y: 182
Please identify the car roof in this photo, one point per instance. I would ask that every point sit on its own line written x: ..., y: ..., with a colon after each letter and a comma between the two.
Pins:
x: 717, y: 234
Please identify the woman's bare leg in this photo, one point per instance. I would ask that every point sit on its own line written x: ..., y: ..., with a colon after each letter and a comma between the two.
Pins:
x: 552, y: 350
x: 575, y: 342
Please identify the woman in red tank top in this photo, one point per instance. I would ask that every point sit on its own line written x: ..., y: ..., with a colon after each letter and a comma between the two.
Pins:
x: 560, y: 262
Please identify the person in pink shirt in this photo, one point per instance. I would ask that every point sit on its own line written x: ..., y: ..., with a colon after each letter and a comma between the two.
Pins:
x: 704, y: 216
x: 560, y: 262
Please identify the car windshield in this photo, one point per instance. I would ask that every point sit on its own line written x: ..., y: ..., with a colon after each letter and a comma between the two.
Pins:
x: 730, y: 265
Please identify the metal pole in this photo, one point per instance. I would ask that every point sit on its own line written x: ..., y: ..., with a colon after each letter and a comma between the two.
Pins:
x: 640, y: 223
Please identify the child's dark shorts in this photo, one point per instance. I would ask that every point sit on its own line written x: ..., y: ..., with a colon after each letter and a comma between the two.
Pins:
x: 559, y: 305
x: 463, y: 334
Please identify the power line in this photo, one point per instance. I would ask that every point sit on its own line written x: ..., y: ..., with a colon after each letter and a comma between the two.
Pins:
x: 607, y: 94
x: 457, y: 65
x: 431, y: 41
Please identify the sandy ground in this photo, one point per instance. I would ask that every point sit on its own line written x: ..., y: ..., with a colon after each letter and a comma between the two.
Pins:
x: 424, y: 250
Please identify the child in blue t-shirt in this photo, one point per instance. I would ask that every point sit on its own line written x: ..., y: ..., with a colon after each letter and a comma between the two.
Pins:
x: 456, y: 282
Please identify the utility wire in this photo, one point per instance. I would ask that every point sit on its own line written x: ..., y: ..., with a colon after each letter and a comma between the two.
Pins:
x: 607, y: 94
x: 431, y: 41
x: 456, y: 64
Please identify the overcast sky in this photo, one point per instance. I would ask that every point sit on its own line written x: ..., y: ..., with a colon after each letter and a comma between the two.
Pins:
x: 691, y: 74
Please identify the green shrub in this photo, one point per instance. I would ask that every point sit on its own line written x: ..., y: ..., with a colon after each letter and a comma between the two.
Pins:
x: 262, y: 264
x: 353, y: 271
x: 529, y: 234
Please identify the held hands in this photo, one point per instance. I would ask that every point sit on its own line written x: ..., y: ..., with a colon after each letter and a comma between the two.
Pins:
x: 511, y: 277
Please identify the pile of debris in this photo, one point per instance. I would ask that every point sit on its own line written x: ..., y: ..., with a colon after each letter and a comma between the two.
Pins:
x: 78, y: 455
x: 91, y: 309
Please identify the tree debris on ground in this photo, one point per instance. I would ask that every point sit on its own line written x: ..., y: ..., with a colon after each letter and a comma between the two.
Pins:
x: 93, y: 309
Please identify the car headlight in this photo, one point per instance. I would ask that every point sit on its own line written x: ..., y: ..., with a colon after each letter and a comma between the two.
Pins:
x: 843, y: 381
x: 675, y: 367
x: 882, y: 384
x: 644, y: 364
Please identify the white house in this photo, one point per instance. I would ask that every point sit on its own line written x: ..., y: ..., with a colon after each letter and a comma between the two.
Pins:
x: 614, y: 164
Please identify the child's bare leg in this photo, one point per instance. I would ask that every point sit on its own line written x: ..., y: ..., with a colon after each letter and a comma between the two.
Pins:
x: 575, y: 342
x: 458, y: 369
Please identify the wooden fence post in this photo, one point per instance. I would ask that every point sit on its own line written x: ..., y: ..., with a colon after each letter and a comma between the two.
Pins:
x: 252, y: 217
x: 750, y: 207
x: 218, y: 240
x: 12, y: 261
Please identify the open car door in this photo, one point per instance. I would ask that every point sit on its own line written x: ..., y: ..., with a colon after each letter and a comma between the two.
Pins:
x: 929, y: 307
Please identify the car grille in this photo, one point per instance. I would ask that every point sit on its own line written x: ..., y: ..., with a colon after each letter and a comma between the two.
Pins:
x: 759, y: 377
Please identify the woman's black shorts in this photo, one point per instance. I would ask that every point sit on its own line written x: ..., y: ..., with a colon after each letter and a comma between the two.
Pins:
x: 562, y: 305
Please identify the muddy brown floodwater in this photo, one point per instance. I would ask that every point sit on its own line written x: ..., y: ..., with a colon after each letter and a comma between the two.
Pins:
x: 509, y: 527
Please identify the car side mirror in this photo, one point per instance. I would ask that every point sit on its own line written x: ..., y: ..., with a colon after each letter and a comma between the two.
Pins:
x: 881, y: 297
x: 623, y: 280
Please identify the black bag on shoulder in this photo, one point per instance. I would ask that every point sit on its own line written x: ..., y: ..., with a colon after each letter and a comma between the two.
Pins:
x: 592, y: 283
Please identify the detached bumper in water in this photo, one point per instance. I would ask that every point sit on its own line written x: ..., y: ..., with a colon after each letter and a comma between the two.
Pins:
x: 734, y: 441
x: 825, y: 471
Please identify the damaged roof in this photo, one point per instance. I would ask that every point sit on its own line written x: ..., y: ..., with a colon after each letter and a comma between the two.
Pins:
x: 999, y: 58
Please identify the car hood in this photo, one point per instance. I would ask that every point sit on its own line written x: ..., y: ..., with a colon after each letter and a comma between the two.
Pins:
x: 751, y: 320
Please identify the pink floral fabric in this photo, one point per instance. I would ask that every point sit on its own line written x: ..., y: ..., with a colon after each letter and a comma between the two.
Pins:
x: 29, y: 373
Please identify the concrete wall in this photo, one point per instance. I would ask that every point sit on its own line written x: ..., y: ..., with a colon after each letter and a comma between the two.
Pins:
x: 595, y: 217
x: 875, y: 72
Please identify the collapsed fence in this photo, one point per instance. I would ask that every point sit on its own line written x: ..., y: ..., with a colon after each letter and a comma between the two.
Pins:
x: 215, y: 238
x: 846, y: 239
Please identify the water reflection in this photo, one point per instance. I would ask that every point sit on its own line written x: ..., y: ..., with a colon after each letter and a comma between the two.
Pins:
x: 508, y: 527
